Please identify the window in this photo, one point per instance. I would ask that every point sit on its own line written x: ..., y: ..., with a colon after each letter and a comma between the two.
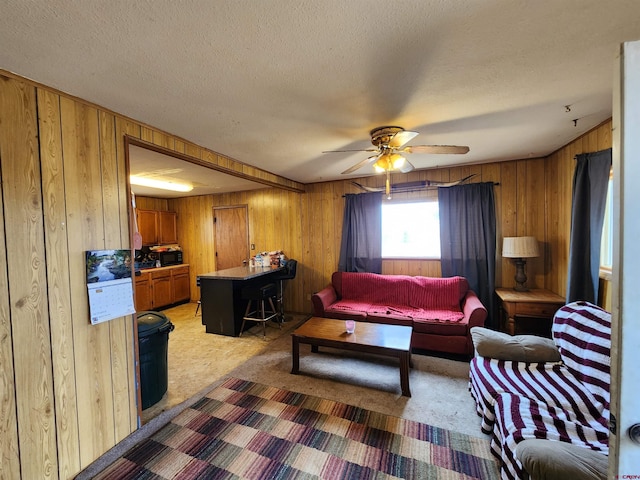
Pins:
x: 411, y: 230
x: 606, y: 244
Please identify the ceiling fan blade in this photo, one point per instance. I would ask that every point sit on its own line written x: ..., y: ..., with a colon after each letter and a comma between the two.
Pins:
x: 433, y: 149
x: 406, y: 166
x: 357, y: 150
x: 401, y: 138
x: 359, y: 165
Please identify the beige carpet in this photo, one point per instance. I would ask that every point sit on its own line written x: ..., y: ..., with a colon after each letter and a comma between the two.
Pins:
x: 440, y: 396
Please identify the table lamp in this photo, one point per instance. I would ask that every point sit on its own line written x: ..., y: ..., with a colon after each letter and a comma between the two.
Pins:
x: 520, y: 248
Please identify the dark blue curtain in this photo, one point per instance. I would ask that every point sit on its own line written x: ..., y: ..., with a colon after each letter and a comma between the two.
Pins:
x: 468, y: 239
x: 590, y: 184
x: 361, y: 248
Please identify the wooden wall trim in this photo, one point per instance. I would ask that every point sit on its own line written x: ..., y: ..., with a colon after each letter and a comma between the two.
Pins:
x: 209, y: 163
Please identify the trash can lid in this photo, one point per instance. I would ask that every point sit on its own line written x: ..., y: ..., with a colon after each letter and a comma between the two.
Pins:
x: 151, y: 322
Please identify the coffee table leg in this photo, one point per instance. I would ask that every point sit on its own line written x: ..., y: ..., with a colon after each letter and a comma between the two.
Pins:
x: 405, y: 359
x: 295, y: 355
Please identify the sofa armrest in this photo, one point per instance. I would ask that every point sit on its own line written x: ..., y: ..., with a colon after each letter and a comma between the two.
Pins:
x: 323, y: 299
x: 474, y: 311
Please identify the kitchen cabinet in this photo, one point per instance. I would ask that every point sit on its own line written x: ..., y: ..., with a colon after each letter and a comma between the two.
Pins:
x: 143, y: 292
x: 157, y: 227
x: 148, y: 226
x: 181, y: 284
x: 167, y: 228
x: 161, y: 287
x: 158, y: 287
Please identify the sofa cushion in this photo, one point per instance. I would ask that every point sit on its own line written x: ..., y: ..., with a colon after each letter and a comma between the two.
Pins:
x: 376, y: 288
x: 519, y: 348
x: 545, y: 460
x: 439, y: 327
x: 437, y: 293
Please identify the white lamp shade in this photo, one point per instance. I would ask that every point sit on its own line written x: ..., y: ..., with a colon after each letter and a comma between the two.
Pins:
x: 520, y: 247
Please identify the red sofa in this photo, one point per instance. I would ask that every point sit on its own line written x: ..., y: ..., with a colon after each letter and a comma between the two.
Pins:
x: 441, y: 311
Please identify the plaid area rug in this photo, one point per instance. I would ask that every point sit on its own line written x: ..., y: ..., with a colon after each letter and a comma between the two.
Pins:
x: 245, y: 430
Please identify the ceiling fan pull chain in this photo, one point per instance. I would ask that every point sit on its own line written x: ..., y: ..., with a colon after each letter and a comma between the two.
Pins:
x: 388, y: 185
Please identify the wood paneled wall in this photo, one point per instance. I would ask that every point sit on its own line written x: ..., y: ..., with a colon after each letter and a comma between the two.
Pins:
x: 68, y: 388
x: 519, y: 184
x: 149, y: 203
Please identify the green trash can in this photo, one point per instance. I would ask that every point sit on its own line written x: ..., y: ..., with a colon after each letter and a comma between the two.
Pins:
x: 153, y: 343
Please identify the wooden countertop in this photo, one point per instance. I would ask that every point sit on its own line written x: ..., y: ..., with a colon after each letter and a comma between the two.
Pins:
x: 239, y: 273
x: 535, y: 295
x: 159, y: 269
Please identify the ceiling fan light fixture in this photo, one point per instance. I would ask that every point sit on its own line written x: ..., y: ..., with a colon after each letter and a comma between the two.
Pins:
x: 160, y: 184
x: 398, y: 161
x: 379, y: 168
x: 389, y: 161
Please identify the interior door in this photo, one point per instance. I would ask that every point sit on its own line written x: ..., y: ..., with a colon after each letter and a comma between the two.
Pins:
x: 231, y: 236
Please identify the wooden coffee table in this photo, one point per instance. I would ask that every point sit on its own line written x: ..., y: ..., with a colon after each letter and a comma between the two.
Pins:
x: 376, y: 338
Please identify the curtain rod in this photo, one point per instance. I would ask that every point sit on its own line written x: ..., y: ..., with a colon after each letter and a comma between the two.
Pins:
x: 409, y: 190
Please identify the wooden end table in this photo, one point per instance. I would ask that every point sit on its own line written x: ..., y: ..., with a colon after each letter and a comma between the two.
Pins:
x: 376, y: 338
x: 534, y: 304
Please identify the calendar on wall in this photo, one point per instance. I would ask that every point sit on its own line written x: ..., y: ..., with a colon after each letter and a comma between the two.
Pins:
x: 109, y: 284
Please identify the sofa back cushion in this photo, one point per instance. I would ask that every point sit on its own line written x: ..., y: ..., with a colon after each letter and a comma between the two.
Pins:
x: 375, y: 288
x: 438, y: 293
x: 416, y: 292
x: 582, y: 333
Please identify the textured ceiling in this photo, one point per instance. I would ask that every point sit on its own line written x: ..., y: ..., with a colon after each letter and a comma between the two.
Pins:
x: 275, y: 83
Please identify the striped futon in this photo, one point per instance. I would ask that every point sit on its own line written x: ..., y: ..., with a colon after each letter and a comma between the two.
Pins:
x: 567, y: 401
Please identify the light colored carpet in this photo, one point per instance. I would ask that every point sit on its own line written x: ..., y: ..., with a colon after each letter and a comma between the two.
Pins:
x: 439, y: 390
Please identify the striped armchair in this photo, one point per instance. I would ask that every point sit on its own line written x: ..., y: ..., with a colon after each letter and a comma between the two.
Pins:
x: 565, y: 400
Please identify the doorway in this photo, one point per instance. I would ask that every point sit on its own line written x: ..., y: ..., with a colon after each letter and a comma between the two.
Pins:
x: 231, y: 236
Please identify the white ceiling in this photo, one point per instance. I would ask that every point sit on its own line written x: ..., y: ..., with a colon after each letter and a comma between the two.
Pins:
x: 274, y: 83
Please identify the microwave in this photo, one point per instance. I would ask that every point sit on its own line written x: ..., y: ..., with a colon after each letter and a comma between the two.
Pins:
x: 169, y: 258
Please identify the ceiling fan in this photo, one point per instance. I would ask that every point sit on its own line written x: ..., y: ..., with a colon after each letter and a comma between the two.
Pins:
x: 389, y: 151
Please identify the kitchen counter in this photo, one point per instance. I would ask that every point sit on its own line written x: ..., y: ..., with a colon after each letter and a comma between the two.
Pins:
x: 240, y: 273
x: 221, y: 296
x: 158, y: 287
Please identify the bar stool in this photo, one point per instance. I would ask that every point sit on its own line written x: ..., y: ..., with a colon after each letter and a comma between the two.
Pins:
x: 288, y: 274
x: 199, y: 301
x: 260, y: 295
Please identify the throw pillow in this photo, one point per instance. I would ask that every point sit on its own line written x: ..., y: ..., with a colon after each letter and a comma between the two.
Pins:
x: 550, y: 460
x: 518, y: 348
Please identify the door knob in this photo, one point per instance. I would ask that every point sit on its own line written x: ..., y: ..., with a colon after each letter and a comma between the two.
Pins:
x: 634, y: 433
